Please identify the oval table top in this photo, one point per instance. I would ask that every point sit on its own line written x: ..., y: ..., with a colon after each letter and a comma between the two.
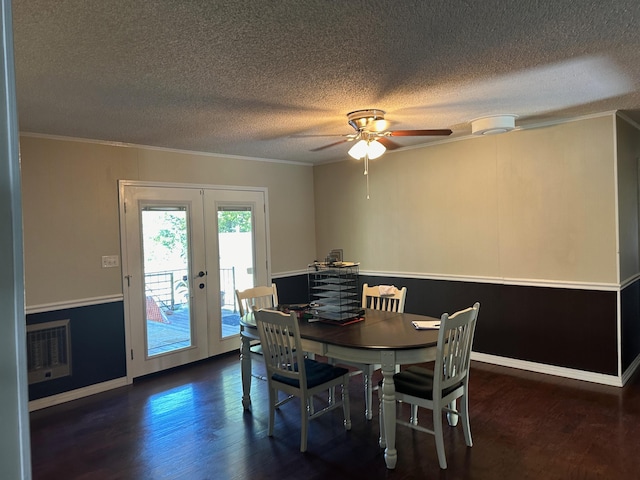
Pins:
x: 380, y: 330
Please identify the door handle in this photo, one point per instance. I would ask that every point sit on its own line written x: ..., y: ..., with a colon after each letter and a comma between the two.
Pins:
x: 201, y: 274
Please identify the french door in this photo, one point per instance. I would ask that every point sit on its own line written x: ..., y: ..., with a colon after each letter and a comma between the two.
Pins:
x: 185, y: 251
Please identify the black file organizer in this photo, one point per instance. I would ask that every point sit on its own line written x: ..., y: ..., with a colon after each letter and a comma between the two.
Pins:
x: 334, y: 291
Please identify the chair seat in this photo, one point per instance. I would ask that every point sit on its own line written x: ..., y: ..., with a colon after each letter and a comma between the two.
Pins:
x: 418, y: 382
x: 317, y: 374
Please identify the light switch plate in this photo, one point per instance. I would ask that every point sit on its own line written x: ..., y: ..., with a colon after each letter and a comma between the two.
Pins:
x: 109, y: 261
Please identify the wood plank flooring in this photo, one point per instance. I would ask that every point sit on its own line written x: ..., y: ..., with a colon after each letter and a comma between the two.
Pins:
x: 188, y: 423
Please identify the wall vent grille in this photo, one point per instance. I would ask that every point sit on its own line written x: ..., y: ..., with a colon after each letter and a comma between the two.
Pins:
x: 48, y: 351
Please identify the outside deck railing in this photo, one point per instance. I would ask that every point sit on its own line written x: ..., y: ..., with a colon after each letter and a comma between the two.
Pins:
x: 170, y: 288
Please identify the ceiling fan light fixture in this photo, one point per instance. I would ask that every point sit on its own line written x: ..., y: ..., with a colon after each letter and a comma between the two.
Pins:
x: 372, y: 149
x: 493, y: 124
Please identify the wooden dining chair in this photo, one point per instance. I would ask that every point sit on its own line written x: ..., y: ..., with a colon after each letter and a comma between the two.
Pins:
x: 256, y: 298
x: 288, y: 371
x: 376, y: 298
x: 438, y: 390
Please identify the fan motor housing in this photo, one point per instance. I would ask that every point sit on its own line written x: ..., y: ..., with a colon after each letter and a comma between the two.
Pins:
x: 361, y: 119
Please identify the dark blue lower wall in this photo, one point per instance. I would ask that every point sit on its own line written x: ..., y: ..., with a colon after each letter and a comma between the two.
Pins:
x: 292, y: 289
x: 569, y: 328
x: 564, y: 327
x: 97, y: 347
x: 630, y: 324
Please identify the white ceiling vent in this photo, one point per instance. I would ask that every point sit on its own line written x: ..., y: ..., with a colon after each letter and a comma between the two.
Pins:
x: 493, y: 124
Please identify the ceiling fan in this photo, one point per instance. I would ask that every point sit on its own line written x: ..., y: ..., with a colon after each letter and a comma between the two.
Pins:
x: 371, y: 134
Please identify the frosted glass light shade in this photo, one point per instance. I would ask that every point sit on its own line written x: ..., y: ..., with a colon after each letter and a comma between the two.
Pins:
x: 376, y: 149
x: 358, y: 150
x: 372, y: 149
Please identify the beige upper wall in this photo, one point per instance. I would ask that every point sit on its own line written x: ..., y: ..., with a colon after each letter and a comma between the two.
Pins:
x: 528, y: 205
x: 424, y: 203
x: 557, y: 203
x: 532, y: 205
x: 70, y: 209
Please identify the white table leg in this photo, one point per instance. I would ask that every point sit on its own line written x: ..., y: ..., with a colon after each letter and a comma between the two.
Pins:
x: 389, y: 408
x: 245, y: 370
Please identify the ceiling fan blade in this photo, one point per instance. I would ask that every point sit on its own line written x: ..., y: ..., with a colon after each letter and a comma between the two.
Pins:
x: 322, y: 135
x: 330, y: 145
x: 389, y: 144
x: 419, y: 133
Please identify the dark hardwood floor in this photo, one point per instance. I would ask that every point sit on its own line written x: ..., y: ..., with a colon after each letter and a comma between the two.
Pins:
x: 188, y: 423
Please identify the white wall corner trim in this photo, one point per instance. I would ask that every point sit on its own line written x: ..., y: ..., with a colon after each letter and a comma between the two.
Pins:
x: 159, y: 149
x: 613, y: 287
x: 85, y: 302
x: 626, y: 375
x: 292, y: 273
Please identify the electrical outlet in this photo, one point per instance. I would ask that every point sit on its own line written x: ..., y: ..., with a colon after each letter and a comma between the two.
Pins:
x: 110, y: 261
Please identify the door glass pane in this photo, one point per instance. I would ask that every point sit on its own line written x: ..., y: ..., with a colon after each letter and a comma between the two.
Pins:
x: 166, y: 279
x: 235, y: 247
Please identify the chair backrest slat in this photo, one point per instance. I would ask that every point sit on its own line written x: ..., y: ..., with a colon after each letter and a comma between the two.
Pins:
x: 455, y: 340
x: 371, y: 298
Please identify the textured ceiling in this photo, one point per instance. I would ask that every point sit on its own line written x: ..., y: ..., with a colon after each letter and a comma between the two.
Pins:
x: 244, y: 77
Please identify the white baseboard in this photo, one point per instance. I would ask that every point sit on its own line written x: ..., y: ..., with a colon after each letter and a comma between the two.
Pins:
x: 76, y: 394
x: 614, y: 381
x: 631, y: 370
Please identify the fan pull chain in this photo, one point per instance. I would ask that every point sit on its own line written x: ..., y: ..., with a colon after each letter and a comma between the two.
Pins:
x: 366, y: 171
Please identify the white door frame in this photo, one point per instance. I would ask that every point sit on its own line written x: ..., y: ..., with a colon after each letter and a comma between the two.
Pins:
x: 123, y: 243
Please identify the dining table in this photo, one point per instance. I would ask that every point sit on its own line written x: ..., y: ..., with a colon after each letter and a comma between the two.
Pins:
x: 380, y: 337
